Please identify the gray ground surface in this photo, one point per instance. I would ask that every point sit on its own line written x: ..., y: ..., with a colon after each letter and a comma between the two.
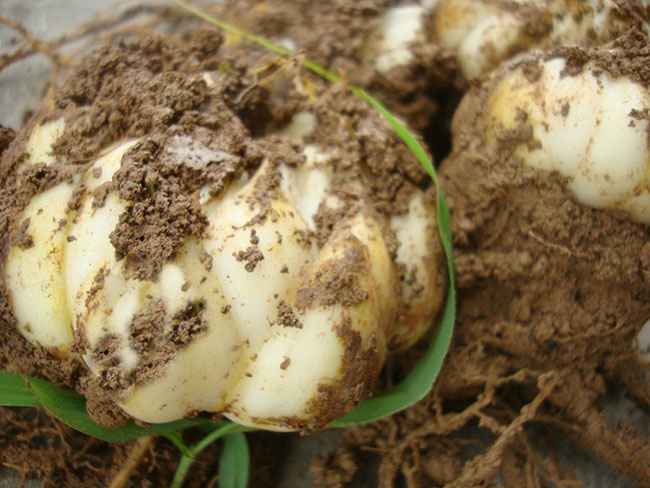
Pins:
x: 21, y: 84
x: 21, y: 89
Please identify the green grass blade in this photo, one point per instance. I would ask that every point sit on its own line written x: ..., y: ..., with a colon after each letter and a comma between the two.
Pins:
x: 176, y: 438
x: 420, y: 381
x: 409, y: 139
x: 70, y: 408
x: 14, y: 392
x: 233, y: 465
x: 212, y: 426
x: 182, y: 469
x: 233, y: 30
x: 225, y: 428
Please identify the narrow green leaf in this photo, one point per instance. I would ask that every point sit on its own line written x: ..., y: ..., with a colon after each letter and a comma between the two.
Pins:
x: 420, y: 381
x: 225, y: 428
x: 232, y: 29
x: 212, y: 426
x: 15, y: 393
x: 182, y: 469
x: 233, y: 465
x: 176, y: 438
x: 70, y: 408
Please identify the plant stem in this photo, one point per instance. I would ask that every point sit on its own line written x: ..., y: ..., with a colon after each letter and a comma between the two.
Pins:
x: 210, y: 438
x: 189, y: 455
x: 176, y: 438
x: 181, y: 471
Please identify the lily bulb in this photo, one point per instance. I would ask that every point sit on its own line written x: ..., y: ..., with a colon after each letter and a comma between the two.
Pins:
x: 252, y: 320
x: 485, y: 32
x: 590, y: 127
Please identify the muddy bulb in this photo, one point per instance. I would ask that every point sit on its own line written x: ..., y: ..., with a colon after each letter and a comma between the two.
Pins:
x: 589, y: 127
x: 259, y: 328
x: 486, y: 32
x: 398, y: 28
x: 34, y: 275
x: 483, y: 33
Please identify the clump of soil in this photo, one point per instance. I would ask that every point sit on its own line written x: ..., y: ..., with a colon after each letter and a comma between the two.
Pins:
x: 6, y: 136
x: 337, y: 35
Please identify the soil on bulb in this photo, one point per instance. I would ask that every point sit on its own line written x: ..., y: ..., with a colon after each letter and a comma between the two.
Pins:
x: 154, y: 88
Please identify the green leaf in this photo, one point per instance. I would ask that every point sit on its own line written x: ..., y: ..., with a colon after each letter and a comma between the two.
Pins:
x: 420, y: 381
x: 70, y: 408
x: 176, y: 438
x: 233, y: 466
x: 15, y: 393
x: 216, y: 430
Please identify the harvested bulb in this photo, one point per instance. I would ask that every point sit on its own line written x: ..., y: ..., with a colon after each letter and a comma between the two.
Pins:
x: 192, y: 267
x: 561, y: 139
x: 578, y: 117
x: 483, y: 33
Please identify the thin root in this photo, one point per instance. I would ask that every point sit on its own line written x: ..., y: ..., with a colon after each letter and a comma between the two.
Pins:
x: 131, y: 463
x: 36, y: 45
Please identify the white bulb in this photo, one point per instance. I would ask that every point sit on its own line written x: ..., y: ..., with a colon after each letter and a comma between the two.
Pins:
x: 486, y: 32
x: 584, y: 127
x: 269, y: 343
x: 398, y: 28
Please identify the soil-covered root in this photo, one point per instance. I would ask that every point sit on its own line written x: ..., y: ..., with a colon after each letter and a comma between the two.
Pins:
x: 497, y: 433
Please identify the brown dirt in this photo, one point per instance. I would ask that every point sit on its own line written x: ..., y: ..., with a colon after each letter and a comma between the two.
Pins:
x: 6, y: 136
x: 37, y: 446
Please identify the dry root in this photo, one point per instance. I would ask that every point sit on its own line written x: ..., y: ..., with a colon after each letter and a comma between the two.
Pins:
x: 137, y: 452
x: 431, y: 444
